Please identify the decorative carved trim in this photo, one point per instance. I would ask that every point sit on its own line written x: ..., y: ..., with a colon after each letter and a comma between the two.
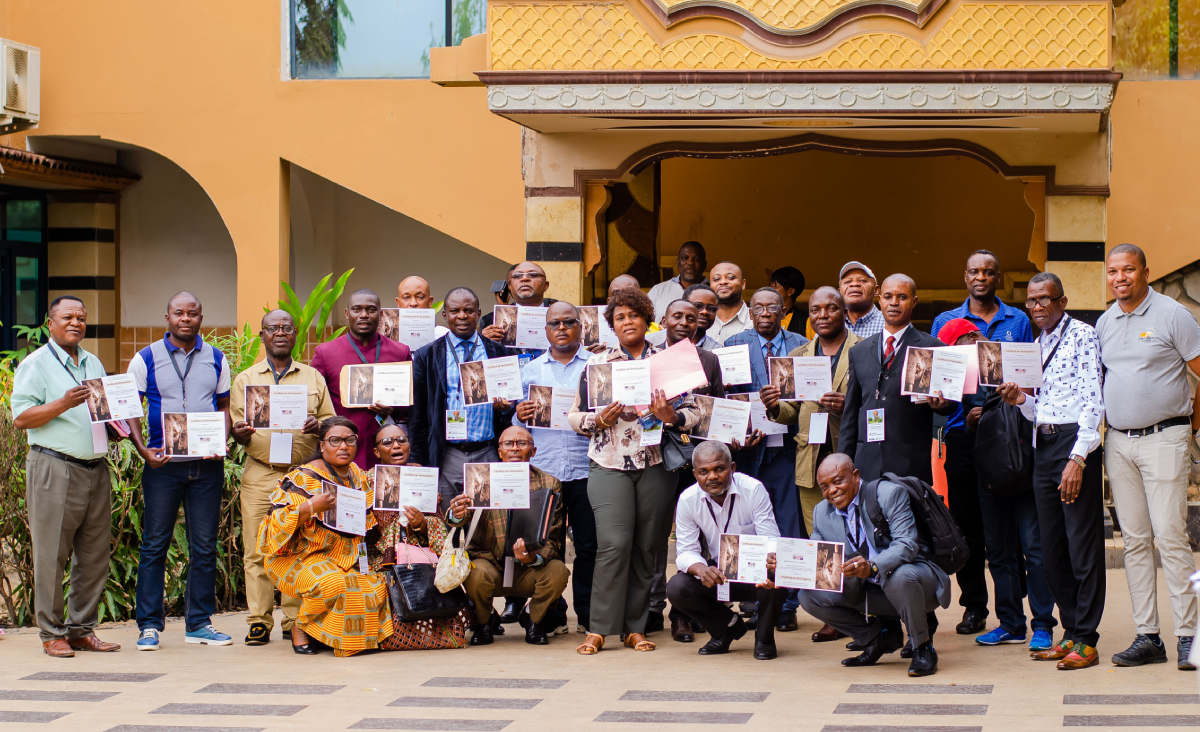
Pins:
x: 793, y: 98
x: 24, y: 164
x: 826, y: 143
x: 798, y: 76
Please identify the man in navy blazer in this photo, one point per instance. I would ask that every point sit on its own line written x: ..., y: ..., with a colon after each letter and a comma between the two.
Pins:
x: 882, y: 577
x: 437, y: 387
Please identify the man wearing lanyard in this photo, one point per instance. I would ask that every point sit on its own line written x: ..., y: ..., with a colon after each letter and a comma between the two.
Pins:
x: 998, y: 322
x: 180, y: 373
x: 68, y: 493
x: 361, y: 343
x: 270, y: 455
x: 446, y: 433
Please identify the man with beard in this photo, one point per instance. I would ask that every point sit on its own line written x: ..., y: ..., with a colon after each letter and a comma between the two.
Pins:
x: 705, y: 301
x: 857, y: 284
x: 261, y: 475
x: 528, y: 284
x: 690, y: 264
x: 360, y: 344
x: 732, y: 315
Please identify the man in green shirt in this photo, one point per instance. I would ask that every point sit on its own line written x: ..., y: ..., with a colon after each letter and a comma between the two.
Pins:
x: 67, y: 490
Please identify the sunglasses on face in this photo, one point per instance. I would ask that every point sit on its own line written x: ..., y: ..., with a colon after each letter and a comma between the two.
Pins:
x: 565, y: 323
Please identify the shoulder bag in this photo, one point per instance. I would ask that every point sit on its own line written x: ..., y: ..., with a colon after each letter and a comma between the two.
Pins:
x: 454, y: 565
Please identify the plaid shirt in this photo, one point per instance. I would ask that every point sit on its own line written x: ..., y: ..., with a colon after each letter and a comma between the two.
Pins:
x: 479, y: 416
x: 490, y: 541
x: 868, y: 325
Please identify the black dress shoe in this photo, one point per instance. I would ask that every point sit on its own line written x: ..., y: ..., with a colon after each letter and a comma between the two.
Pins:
x: 259, y: 635
x: 765, y: 651
x: 654, y: 623
x: 308, y: 649
x: 512, y: 611
x: 681, y: 631
x: 906, y: 651
x: 924, y: 660
x: 786, y: 622
x: 752, y: 621
x: 535, y: 635
x: 494, y: 625
x: 854, y: 646
x: 287, y: 634
x: 888, y: 641
x: 720, y: 644
x: 974, y: 621
x: 482, y: 635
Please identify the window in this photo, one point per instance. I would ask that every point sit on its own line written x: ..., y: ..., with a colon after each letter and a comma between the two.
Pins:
x: 23, y: 277
x: 376, y: 39
x: 1158, y: 39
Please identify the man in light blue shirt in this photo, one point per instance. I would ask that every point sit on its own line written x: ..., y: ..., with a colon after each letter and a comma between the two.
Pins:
x: 563, y: 452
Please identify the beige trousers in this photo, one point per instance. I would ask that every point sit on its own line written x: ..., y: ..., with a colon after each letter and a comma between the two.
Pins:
x: 258, y: 482
x: 1148, y: 476
x: 544, y: 584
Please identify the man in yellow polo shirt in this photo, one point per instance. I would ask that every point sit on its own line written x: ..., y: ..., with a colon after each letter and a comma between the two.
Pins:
x: 262, y: 473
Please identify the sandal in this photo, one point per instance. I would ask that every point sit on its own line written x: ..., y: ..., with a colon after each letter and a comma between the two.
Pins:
x: 638, y: 642
x: 590, y: 647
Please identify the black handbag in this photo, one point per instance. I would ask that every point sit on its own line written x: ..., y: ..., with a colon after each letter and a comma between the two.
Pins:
x: 677, y: 448
x: 414, y: 597
x: 533, y: 524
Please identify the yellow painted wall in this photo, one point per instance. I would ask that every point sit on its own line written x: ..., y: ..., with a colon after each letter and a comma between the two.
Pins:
x: 200, y: 84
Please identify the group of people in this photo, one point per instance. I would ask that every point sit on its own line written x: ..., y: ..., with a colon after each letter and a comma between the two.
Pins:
x: 620, y: 501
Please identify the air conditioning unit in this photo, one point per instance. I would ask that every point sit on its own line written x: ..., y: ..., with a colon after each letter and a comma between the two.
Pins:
x: 21, y: 74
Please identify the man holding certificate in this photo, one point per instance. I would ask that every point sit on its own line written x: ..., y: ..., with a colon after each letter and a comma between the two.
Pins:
x: 413, y: 294
x: 528, y: 284
x: 270, y: 455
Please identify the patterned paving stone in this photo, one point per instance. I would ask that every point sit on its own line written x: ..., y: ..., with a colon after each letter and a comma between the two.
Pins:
x: 919, y: 689
x: 469, y: 703
x: 298, y: 689
x: 895, y: 728
x: 1131, y: 699
x: 916, y: 709
x: 1132, y: 720
x: 85, y: 676
x: 30, y: 717
x: 452, y: 725
x: 176, y: 728
x: 247, y: 710
x: 675, y: 717
x: 467, y: 682
x: 695, y: 696
x: 65, y: 696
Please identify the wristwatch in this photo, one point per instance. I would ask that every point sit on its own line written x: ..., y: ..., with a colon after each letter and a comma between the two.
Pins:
x: 874, y: 570
x: 1079, y: 461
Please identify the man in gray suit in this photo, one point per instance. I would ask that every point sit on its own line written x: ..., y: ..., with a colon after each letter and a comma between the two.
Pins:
x: 882, y: 577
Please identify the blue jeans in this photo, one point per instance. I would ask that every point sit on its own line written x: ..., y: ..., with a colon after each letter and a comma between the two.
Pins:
x: 1011, y: 533
x: 198, y: 485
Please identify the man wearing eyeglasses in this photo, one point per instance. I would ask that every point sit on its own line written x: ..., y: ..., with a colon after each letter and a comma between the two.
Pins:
x: 1067, y: 413
x: 528, y: 284
x: 264, y: 469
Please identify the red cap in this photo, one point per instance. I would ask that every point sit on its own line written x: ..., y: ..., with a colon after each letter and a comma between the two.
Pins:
x: 955, y: 329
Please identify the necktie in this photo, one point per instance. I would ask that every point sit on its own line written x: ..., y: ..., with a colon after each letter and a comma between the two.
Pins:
x: 889, y: 352
x: 770, y: 349
x: 468, y: 350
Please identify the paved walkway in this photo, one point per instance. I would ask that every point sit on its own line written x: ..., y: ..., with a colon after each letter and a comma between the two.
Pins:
x: 513, y: 686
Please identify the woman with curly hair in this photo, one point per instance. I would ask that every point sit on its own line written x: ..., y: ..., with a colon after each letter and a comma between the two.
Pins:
x: 630, y: 490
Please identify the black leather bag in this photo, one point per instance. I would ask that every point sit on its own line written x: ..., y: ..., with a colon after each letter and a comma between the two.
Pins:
x: 677, y: 448
x: 533, y: 524
x: 1003, y: 449
x: 414, y: 597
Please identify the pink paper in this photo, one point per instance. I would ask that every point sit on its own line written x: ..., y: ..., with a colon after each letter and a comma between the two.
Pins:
x: 677, y: 369
x: 972, y: 384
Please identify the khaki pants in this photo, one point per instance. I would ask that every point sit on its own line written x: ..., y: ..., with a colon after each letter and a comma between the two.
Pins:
x: 809, y: 498
x: 544, y: 584
x: 70, y: 514
x: 1149, y: 486
x: 258, y: 481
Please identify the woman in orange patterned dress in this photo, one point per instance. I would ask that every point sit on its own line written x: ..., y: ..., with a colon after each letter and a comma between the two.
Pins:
x: 341, y: 607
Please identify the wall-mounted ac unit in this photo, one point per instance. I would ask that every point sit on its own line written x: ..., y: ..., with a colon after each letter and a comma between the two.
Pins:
x: 21, y: 74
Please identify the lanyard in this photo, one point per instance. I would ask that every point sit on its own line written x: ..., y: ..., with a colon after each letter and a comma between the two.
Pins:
x: 361, y: 357
x: 279, y: 374
x: 60, y: 363
x: 708, y: 505
x: 182, y: 374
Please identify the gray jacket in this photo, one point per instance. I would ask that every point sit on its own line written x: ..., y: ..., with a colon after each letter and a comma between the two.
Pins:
x: 893, y: 500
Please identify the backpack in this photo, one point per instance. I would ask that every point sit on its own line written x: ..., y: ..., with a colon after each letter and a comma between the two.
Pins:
x: 938, y: 536
x: 1003, y: 448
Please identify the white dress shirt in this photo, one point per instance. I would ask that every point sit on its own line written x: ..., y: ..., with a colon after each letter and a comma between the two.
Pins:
x: 1072, y: 392
x: 747, y: 510
x: 883, y: 336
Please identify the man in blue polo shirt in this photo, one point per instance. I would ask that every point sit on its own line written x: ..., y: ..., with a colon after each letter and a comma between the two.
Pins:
x: 999, y: 528
x: 180, y: 373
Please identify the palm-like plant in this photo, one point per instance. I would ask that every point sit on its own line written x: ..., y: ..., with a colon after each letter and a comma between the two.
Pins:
x: 315, y: 311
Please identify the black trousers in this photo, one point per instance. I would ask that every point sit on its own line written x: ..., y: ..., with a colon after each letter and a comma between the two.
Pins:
x: 583, y: 534
x: 962, y: 484
x: 699, y: 603
x: 1072, y: 536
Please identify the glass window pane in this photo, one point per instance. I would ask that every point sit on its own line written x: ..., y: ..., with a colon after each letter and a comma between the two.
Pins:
x: 23, y: 221
x: 468, y: 19
x: 1141, y: 49
x: 27, y: 290
x: 366, y: 38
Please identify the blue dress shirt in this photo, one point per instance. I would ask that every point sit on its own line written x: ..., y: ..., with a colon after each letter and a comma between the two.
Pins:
x: 561, y: 453
x: 479, y: 416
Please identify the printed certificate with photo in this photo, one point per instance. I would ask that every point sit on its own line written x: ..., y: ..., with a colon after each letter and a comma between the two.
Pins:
x: 504, y: 317
x: 277, y: 407
x: 194, y: 434
x: 930, y: 370
x: 724, y: 420
x: 502, y: 378
x: 735, y: 364
x: 551, y: 406
x: 631, y: 382
x: 397, y: 486
x: 596, y: 331
x: 349, y: 512
x: 814, y: 377
x: 1019, y: 363
x: 531, y: 328
x: 389, y: 384
x: 758, y: 414
x: 414, y: 326
x: 809, y: 565
x: 743, y: 557
x: 497, y: 485
x: 112, y: 398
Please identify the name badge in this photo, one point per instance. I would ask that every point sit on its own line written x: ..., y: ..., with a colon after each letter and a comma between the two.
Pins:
x: 456, y: 424
x: 363, y: 566
x: 874, y: 425
x: 723, y: 592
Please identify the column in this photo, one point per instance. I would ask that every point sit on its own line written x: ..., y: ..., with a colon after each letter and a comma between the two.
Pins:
x: 554, y: 240
x: 82, y: 261
x: 1076, y: 229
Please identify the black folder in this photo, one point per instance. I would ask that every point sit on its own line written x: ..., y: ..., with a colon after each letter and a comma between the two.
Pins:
x: 533, y: 524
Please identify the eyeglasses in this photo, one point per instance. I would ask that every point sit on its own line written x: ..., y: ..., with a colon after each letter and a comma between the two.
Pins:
x: 389, y: 441
x: 526, y: 275
x: 705, y: 308
x: 285, y: 329
x: 565, y: 323
x: 760, y: 309
x: 1043, y: 302
x: 510, y: 444
x: 352, y: 440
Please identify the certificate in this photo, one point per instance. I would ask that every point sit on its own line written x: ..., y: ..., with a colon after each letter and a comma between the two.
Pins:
x: 596, y: 331
x: 276, y: 407
x: 929, y: 370
x: 503, y: 378
x: 551, y: 406
x: 1022, y: 364
x: 497, y: 485
x: 743, y: 557
x: 814, y: 377
x: 349, y: 513
x: 393, y: 384
x: 397, y: 486
x: 724, y: 420
x: 809, y: 565
x: 631, y: 382
x: 735, y: 364
x: 111, y: 398
x: 531, y: 328
x: 758, y: 414
x: 194, y: 434
x: 414, y: 326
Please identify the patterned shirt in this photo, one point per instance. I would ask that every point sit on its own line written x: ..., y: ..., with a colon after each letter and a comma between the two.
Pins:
x: 479, y: 416
x: 868, y: 325
x: 1072, y: 392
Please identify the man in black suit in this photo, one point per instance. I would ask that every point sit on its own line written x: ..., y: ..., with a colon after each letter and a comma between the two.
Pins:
x: 438, y: 387
x: 901, y: 444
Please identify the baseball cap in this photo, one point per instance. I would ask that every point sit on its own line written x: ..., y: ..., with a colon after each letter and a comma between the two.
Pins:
x: 856, y: 265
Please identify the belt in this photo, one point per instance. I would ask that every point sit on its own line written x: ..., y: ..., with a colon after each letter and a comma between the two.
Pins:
x: 470, y: 446
x: 68, y: 458
x: 1156, y: 428
x: 272, y: 466
x: 1054, y: 429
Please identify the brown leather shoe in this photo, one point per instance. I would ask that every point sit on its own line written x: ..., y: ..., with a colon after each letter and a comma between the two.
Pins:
x: 827, y: 633
x: 92, y: 643
x: 1057, y: 652
x: 57, y: 648
x: 681, y: 631
x: 1082, y: 656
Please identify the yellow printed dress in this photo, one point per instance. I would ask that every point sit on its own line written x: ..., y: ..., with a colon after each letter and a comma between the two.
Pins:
x: 340, y: 607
